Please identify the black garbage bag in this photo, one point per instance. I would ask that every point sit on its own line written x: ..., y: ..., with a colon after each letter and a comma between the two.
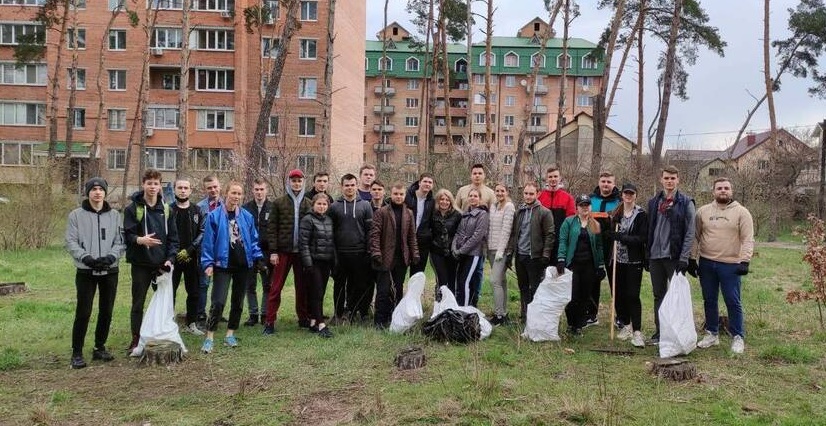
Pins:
x: 453, y: 326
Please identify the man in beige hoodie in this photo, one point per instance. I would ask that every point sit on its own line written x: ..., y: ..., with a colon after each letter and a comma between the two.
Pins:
x: 724, y: 242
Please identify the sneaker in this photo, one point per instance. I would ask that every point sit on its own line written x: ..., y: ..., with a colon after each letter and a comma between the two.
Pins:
x: 497, y: 320
x: 325, y: 333
x: 576, y: 332
x: 637, y: 340
x: 193, y: 328
x: 313, y: 328
x: 231, y: 341
x: 654, y: 340
x: 709, y: 340
x: 591, y: 321
x: 625, y: 333
x: 619, y: 324
x: 134, y: 344
x: 737, y: 345
x: 252, y: 321
x: 304, y: 323
x: 207, y: 346
x: 101, y: 354
x: 78, y: 362
x: 269, y: 330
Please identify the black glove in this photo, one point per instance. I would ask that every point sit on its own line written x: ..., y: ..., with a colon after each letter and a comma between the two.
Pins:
x: 101, y: 264
x: 682, y: 267
x: 544, y: 261
x: 600, y: 273
x: 110, y: 260
x: 307, y: 269
x: 742, y: 268
x: 509, y: 261
x: 560, y: 267
x: 693, y: 268
x: 261, y: 266
x: 415, y: 261
x: 376, y: 262
x: 89, y: 261
x: 645, y: 264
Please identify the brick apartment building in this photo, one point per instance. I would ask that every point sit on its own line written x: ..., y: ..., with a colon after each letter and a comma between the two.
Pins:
x: 400, y: 143
x: 225, y: 87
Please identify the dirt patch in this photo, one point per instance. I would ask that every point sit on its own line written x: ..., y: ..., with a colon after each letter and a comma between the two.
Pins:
x: 327, y: 408
x: 781, y: 245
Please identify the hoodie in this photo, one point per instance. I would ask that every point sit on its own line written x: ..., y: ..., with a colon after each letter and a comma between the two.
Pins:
x: 723, y: 233
x: 94, y: 233
x: 153, y: 222
x: 351, y: 224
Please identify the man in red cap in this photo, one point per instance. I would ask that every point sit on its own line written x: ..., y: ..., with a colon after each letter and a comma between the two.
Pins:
x: 282, y: 238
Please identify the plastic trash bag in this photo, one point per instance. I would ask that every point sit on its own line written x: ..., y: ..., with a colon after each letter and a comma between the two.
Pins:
x: 448, y: 301
x: 159, y: 319
x: 678, y: 336
x: 549, y: 301
x: 409, y: 309
x: 452, y: 325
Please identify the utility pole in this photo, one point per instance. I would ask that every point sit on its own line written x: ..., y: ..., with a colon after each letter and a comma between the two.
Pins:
x: 821, y: 201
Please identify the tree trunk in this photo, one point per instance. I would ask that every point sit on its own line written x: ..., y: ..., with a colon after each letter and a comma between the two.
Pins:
x: 54, y: 91
x: 327, y: 101
x: 640, y: 78
x: 488, y: 50
x: 93, y: 165
x: 469, y: 114
x: 774, y: 219
x: 821, y: 193
x: 668, y: 80
x: 601, y: 109
x: 70, y: 115
x: 183, y: 97
x: 427, y: 91
x: 563, y: 84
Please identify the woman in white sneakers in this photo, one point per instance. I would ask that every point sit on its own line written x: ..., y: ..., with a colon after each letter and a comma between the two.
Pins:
x: 499, y: 229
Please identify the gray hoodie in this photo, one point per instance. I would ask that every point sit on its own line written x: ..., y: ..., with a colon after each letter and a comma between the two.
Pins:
x: 96, y: 234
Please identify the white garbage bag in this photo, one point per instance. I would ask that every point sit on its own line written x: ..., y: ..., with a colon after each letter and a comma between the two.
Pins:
x: 678, y: 336
x: 409, y: 309
x: 159, y: 319
x: 449, y: 302
x: 549, y: 301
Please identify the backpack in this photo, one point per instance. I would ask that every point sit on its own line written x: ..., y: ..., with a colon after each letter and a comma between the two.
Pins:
x: 140, y: 210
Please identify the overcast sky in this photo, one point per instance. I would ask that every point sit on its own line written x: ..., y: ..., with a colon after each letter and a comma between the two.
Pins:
x: 717, y: 87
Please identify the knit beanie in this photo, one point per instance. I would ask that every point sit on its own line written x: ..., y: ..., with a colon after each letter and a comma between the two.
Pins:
x: 96, y: 181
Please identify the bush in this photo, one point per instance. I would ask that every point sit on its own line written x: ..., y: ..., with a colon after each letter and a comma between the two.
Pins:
x: 34, y: 214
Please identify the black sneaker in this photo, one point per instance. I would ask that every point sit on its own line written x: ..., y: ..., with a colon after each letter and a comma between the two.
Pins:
x: 101, y: 354
x: 325, y: 333
x: 654, y: 340
x: 304, y: 323
x: 591, y: 321
x: 576, y: 332
x: 313, y: 328
x: 269, y: 330
x: 78, y: 362
x: 252, y: 321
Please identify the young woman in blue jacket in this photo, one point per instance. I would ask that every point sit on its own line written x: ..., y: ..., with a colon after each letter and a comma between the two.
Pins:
x: 229, y: 251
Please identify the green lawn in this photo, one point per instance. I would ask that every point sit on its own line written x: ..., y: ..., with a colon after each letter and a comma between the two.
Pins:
x: 296, y: 378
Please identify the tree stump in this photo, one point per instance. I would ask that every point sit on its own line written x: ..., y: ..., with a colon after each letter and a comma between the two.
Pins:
x: 410, y: 358
x: 677, y: 370
x: 161, y: 352
x: 11, y: 288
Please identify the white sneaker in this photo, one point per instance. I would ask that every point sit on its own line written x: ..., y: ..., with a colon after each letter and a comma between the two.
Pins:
x: 193, y: 328
x: 625, y: 333
x: 708, y: 341
x: 738, y: 345
x: 637, y: 340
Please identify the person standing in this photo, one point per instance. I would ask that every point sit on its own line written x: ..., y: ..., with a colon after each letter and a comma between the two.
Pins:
x: 189, y: 219
x: 469, y: 247
x: 580, y: 250
x: 353, y: 283
x: 211, y: 201
x: 629, y: 231
x: 531, y: 239
x: 501, y: 222
x: 378, y: 198
x: 445, y: 222
x: 557, y: 200
x: 419, y: 199
x: 259, y: 207
x: 95, y: 242
x: 724, y: 243
x: 367, y: 175
x: 229, y: 252
x: 282, y: 240
x: 392, y: 249
x: 151, y: 243
x: 318, y: 255
x: 321, y: 184
x: 605, y: 199
x: 477, y: 181
x: 670, y: 235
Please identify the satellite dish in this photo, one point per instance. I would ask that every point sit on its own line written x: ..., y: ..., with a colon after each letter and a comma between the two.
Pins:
x: 523, y: 82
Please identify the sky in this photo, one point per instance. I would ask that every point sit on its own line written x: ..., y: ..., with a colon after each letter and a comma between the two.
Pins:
x: 718, y: 88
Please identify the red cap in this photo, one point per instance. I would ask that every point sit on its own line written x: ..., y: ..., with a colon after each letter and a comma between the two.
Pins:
x: 295, y: 173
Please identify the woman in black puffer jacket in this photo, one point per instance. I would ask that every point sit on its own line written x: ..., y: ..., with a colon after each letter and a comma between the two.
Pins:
x: 318, y: 254
x: 444, y: 223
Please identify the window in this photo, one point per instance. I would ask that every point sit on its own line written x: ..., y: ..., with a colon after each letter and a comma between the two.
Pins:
x: 80, y: 78
x: 511, y: 60
x: 117, y: 119
x: 536, y: 120
x: 509, y: 140
x: 215, y: 80
x: 306, y: 126
x: 264, y: 86
x: 410, y: 177
x: 22, y: 114
x: 386, y: 64
x: 80, y: 43
x: 117, y: 79
x: 214, y: 5
x: 116, y: 159
x: 26, y: 74
x: 715, y: 171
x: 166, y: 38
x: 306, y: 163
x: 478, y: 79
x: 162, y: 118
x: 117, y: 5
x: 566, y: 62
x: 117, y: 40
x: 460, y: 66
x: 307, y: 88
x: 412, y: 64
x: 762, y: 164
x: 412, y: 84
x: 215, y: 40
x: 309, y: 10
x: 478, y: 118
x: 161, y: 158
x: 77, y: 4
x: 210, y: 159
x: 510, y: 100
x: 411, y: 159
x: 412, y: 102
x: 482, y: 58
x: 478, y: 98
x: 216, y: 119
x: 538, y: 60
x: 510, y: 81
x: 508, y: 120
x: 273, y: 11
x: 586, y: 81
x: 411, y: 140
x: 24, y: 2
x: 165, y: 4
x: 307, y: 48
x: 584, y: 101
x: 508, y: 178
x: 15, y: 153
x: 12, y: 34
x: 269, y: 47
x: 589, y: 62
x: 79, y: 118
x: 411, y: 121
x: 171, y: 81
x: 507, y: 159
x: 272, y: 128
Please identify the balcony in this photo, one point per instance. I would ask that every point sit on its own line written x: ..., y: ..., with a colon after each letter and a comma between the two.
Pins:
x: 389, y: 91
x: 539, y: 109
x: 386, y: 165
x: 541, y: 89
x: 482, y: 128
x: 387, y: 109
x: 387, y: 128
x: 538, y: 129
x: 383, y: 147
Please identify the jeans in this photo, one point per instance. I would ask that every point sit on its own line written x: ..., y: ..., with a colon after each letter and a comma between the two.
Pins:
x: 716, y: 277
x: 389, y: 291
x: 583, y: 281
x: 444, y: 267
x: 467, y: 293
x: 86, y: 284
x: 203, y: 292
x: 499, y: 282
x: 220, y: 287
x: 529, y: 273
x: 189, y: 272
x: 661, y: 271
x: 252, y: 294
x: 279, y: 277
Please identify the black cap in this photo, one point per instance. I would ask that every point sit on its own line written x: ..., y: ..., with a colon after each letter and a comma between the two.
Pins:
x: 629, y: 187
x: 583, y: 199
x: 96, y: 181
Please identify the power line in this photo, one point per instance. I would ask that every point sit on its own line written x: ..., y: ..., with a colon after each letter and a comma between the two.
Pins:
x: 725, y: 132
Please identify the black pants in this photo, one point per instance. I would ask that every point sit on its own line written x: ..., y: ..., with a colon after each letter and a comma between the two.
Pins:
x: 424, y: 252
x: 467, y: 286
x: 86, y: 284
x: 389, y: 291
x: 529, y: 273
x: 445, y: 269
x: 592, y: 308
x: 142, y: 277
x: 627, y: 303
x: 189, y: 272
x: 252, y: 294
x: 317, y: 278
x: 661, y: 271
x: 583, y: 280
x: 352, y: 284
x: 220, y: 287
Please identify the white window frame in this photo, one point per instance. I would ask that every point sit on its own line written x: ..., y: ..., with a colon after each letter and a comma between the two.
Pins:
x: 215, y: 40
x: 459, y: 69
x: 275, y: 11
x: 168, y: 115
x: 216, y: 159
x: 412, y: 84
x: 510, y: 100
x: 165, y: 4
x: 510, y: 54
x: 272, y: 126
x: 80, y: 78
x: 411, y: 121
x: 482, y: 59
x: 388, y: 61
x: 307, y: 163
x: 22, y: 113
x: 81, y: 38
x: 167, y: 161
x: 507, y: 159
x: 213, y: 5
x: 19, y: 149
x: 15, y: 30
x: 78, y: 118
x: 304, y: 49
x: 510, y: 81
x: 22, y: 2
x: 116, y: 119
x: 559, y: 64
x: 411, y: 140
x: 214, y: 80
x: 306, y: 127
x: 115, y: 159
x: 172, y: 38
x: 19, y: 76
x: 170, y: 81
x: 411, y: 60
x: 412, y: 103
x: 119, y: 86
x: 215, y: 120
x: 508, y: 140
x: 308, y: 10
x: 584, y: 101
x: 269, y: 47
x: 589, y: 62
x: 533, y: 60
x: 307, y: 87
x: 411, y: 159
x: 114, y: 38
x: 508, y: 120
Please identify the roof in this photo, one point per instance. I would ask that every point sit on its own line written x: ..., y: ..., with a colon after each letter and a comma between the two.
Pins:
x: 573, y: 43
x: 573, y: 125
x: 742, y: 146
x: 410, y: 47
x: 694, y: 154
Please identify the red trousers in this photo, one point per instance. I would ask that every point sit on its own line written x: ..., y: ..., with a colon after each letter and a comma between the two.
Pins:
x: 279, y: 277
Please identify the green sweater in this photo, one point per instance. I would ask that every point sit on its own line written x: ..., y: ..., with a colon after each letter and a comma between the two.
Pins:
x: 568, y: 236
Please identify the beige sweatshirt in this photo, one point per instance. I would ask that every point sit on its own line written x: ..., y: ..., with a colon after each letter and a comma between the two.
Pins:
x: 488, y: 196
x: 725, y: 233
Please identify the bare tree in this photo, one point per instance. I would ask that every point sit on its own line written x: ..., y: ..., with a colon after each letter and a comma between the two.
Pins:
x: 668, y: 81
x: 601, y: 108
x: 488, y: 51
x: 183, y: 95
x: 327, y: 93
x: 568, y: 15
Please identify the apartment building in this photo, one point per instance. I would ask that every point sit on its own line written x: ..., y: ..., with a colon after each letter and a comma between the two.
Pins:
x: 228, y: 66
x: 397, y: 92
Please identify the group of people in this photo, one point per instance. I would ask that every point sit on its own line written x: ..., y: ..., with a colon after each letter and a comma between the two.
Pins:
x: 369, y: 242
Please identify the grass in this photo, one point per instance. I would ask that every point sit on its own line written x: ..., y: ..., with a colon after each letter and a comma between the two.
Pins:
x: 295, y: 378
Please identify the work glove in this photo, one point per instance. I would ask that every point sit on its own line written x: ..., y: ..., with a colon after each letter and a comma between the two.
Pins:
x: 110, y: 260
x: 101, y: 263
x: 600, y: 273
x: 682, y: 267
x: 261, y: 265
x: 183, y: 257
x: 560, y: 267
x: 693, y: 268
x: 455, y: 253
x: 499, y: 256
x: 742, y: 268
x: 89, y: 261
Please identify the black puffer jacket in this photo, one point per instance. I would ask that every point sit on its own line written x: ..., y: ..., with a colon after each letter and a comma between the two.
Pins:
x: 261, y: 220
x: 424, y: 233
x: 153, y: 222
x: 315, y: 239
x: 281, y: 222
x: 444, y: 229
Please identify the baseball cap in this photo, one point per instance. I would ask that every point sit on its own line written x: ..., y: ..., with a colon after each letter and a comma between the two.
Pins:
x: 629, y: 187
x: 583, y: 199
x: 295, y: 173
